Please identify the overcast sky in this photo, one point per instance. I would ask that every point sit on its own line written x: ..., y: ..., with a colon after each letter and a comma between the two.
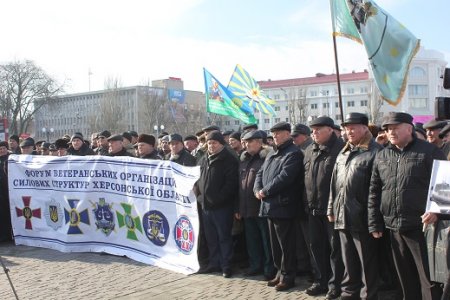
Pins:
x: 143, y: 40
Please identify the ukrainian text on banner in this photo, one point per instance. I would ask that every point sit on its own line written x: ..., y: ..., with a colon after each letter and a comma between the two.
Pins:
x: 144, y: 209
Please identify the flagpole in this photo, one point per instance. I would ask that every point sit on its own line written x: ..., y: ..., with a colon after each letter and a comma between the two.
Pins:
x: 341, y: 107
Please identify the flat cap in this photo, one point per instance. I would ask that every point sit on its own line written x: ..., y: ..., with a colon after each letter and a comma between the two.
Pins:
x: 254, y: 134
x: 127, y: 135
x: 355, y: 118
x: 216, y: 136
x: 281, y: 126
x: 434, y: 124
x: 45, y: 145
x: 235, y: 135
x: 61, y: 144
x: 165, y: 138
x: 14, y: 137
x: 227, y: 132
x: 104, y: 133
x: 444, y: 131
x: 394, y: 118
x: 4, y: 144
x: 175, y: 138
x: 211, y: 128
x: 190, y: 137
x: 52, y: 148
x: 250, y: 126
x: 27, y: 142
x: 300, y: 129
x: 133, y: 133
x: 322, y: 121
x: 146, y: 138
x: 116, y: 137
x: 420, y: 129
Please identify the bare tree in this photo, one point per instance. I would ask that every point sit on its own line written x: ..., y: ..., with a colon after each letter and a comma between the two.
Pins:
x: 111, y: 110
x: 153, y: 109
x: 374, y: 105
x: 24, y: 88
x: 297, y: 105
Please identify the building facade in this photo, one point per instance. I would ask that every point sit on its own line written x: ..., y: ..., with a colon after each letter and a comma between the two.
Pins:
x: 164, y: 106
x: 299, y: 100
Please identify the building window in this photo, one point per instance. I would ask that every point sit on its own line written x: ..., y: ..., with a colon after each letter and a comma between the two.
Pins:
x: 276, y: 97
x: 276, y: 108
x: 363, y: 90
x: 338, y: 117
x: 313, y: 93
x: 350, y: 103
x: 236, y: 122
x: 314, y: 106
x: 336, y: 104
x: 287, y: 107
x: 417, y: 73
x: 266, y: 121
x: 325, y: 105
x: 363, y: 102
x: 227, y: 122
x: 417, y: 90
x: 418, y: 103
x: 277, y: 120
x: 350, y: 91
x: 287, y: 119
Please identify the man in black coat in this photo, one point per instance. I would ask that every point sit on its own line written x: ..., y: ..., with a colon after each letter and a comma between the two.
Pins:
x: 256, y: 229
x: 178, y: 153
x: 324, y: 240
x: 116, y: 147
x: 347, y: 208
x: 397, y: 199
x: 78, y: 147
x: 278, y: 185
x: 217, y: 190
x: 146, y: 147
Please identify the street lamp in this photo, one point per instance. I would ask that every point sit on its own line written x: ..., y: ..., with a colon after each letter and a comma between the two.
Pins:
x: 47, y: 132
x: 156, y: 129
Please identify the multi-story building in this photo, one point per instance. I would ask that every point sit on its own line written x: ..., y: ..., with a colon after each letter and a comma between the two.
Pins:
x: 301, y: 99
x: 164, y: 106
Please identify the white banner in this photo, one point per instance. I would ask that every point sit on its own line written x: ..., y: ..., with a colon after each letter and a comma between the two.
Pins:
x: 439, y: 190
x: 144, y: 209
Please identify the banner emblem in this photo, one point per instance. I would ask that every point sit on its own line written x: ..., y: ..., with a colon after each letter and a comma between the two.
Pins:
x: 53, y: 214
x: 104, y: 217
x: 27, y: 212
x: 75, y: 218
x: 184, y: 235
x: 156, y: 227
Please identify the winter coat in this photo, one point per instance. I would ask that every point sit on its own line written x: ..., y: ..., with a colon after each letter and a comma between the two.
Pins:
x: 248, y: 168
x: 83, y: 151
x: 399, y: 185
x: 218, y: 184
x: 319, y: 163
x: 280, y: 179
x: 350, y: 182
x: 183, y: 158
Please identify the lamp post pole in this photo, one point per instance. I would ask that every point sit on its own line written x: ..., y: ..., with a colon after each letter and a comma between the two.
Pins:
x: 47, y: 132
x: 157, y: 128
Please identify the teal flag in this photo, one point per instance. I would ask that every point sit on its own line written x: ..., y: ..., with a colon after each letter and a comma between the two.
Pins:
x: 220, y: 100
x: 247, y: 89
x: 390, y: 46
x: 342, y: 21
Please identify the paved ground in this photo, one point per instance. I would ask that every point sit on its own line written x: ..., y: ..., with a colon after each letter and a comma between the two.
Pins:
x: 39, y: 273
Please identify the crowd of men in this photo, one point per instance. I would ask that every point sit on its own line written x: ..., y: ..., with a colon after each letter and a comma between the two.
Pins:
x: 344, y: 205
